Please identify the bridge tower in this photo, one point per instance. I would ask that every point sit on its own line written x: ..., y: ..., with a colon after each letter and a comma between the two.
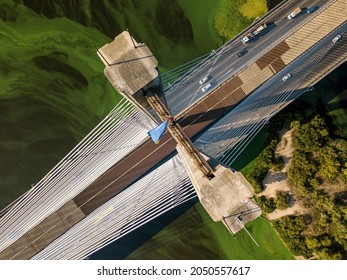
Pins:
x: 225, y: 194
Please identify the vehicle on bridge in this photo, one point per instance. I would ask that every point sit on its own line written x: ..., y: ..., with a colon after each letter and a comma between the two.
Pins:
x: 312, y: 9
x: 204, y: 80
x: 286, y: 77
x: 294, y: 13
x: 336, y: 38
x: 259, y: 29
x: 245, y: 39
x: 241, y: 53
x: 206, y: 87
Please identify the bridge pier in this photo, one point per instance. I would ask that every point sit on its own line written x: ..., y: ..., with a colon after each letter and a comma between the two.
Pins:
x: 227, y: 197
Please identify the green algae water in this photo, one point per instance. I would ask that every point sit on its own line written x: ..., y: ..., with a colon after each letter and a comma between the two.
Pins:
x: 53, y: 92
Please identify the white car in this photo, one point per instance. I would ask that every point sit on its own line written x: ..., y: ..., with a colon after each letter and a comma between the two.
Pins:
x: 206, y: 87
x: 244, y: 40
x: 204, y: 80
x: 286, y: 77
x: 336, y: 38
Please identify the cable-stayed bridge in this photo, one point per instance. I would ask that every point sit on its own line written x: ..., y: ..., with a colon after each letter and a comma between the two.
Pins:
x: 115, y: 180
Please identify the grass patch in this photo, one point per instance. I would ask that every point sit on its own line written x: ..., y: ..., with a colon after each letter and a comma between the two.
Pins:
x: 234, y: 16
x: 247, y: 169
x: 254, y: 8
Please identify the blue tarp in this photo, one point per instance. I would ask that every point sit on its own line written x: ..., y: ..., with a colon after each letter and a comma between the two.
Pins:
x: 157, y: 132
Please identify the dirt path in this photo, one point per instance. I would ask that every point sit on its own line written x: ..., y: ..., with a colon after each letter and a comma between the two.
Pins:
x: 278, y: 181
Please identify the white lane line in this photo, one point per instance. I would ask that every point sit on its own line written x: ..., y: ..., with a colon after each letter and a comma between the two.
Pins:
x: 226, y: 73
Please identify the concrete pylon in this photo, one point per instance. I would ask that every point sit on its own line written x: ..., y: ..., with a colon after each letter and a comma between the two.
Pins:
x: 132, y: 69
x: 227, y: 197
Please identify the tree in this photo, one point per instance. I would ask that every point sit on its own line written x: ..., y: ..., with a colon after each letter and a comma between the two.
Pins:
x: 329, y: 254
x: 291, y: 230
x: 343, y: 174
x: 318, y: 157
x: 302, y: 170
x: 295, y: 124
x: 329, y: 163
x: 282, y: 200
x: 267, y: 204
x: 312, y: 242
x: 257, y: 186
x: 264, y: 162
x: 311, y: 136
x: 278, y: 164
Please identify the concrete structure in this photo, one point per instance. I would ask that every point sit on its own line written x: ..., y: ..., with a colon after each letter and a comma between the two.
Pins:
x: 227, y: 197
x: 132, y: 68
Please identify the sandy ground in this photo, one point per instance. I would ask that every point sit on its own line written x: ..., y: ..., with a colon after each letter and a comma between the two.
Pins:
x: 277, y: 181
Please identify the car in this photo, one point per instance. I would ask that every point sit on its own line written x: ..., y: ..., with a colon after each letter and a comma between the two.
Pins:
x: 312, y: 9
x: 204, y: 80
x: 206, y: 87
x: 245, y: 40
x: 286, y: 77
x: 241, y: 53
x: 336, y: 38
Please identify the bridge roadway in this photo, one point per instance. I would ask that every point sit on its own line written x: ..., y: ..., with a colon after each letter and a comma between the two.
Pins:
x: 196, y: 118
x: 224, y: 63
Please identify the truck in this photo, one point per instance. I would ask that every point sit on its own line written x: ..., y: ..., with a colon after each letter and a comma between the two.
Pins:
x: 259, y: 29
x: 294, y: 13
x: 256, y: 32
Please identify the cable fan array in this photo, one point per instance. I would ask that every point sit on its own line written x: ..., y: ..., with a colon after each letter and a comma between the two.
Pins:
x: 159, y: 191
x: 121, y: 130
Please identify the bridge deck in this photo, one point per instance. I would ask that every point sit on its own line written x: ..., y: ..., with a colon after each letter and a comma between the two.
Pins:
x: 38, y: 238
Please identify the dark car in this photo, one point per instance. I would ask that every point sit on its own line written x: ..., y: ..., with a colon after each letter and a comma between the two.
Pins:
x: 241, y: 53
x: 312, y: 9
